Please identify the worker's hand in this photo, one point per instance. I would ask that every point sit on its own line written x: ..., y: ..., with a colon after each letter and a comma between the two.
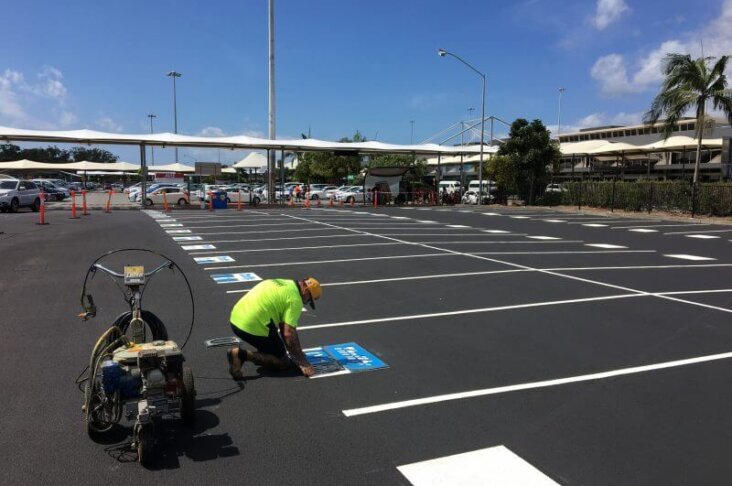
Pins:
x: 307, y: 370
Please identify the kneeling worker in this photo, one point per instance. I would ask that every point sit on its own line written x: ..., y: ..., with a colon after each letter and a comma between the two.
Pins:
x: 267, y: 315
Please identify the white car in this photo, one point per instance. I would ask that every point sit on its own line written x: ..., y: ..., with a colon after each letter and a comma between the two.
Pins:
x: 247, y: 196
x: 471, y: 197
x: 353, y: 194
x: 15, y: 193
x: 173, y: 195
x: 555, y: 188
x: 320, y: 191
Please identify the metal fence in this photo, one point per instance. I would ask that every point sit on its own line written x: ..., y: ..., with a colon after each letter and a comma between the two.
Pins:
x: 680, y: 197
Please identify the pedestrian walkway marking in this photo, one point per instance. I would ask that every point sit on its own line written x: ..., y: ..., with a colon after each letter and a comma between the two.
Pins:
x: 171, y: 225
x: 595, y: 225
x: 703, y: 237
x: 187, y: 238
x: 643, y: 230
x: 494, y: 465
x: 213, y: 259
x: 605, y: 245
x: 225, y: 278
x: 198, y: 247
x: 543, y: 237
x: 690, y: 257
x: 178, y: 231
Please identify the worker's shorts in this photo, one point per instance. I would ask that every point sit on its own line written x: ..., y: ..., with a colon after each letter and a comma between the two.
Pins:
x: 270, y: 344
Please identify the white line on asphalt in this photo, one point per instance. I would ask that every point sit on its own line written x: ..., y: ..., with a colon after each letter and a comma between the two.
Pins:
x: 696, y: 232
x: 554, y: 220
x: 498, y: 466
x: 544, y: 237
x: 344, y: 260
x: 291, y: 230
x: 248, y: 240
x: 457, y: 226
x: 605, y: 245
x: 689, y: 257
x: 659, y: 225
x: 607, y: 220
x: 643, y: 230
x: 582, y: 252
x: 520, y: 217
x: 296, y: 248
x: 495, y: 231
x: 504, y: 242
x: 703, y: 237
x: 244, y: 225
x: 517, y: 265
x: 534, y: 385
x: 595, y: 225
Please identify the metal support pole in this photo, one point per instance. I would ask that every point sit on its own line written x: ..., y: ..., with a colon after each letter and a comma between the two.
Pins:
x: 482, y: 143
x: 282, y: 176
x: 271, y: 110
x: 143, y: 182
x: 438, y: 176
x: 270, y: 176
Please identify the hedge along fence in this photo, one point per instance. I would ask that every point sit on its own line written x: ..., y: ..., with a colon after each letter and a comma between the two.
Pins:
x: 708, y: 199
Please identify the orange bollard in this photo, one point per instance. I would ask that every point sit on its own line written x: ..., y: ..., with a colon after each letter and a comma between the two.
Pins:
x: 43, y: 208
x: 292, y: 201
x: 166, y: 208
x: 376, y: 198
x: 238, y: 201
x: 84, y: 209
x: 330, y: 202
x: 210, y: 201
x: 73, y: 206
x: 341, y: 203
x: 353, y: 201
x: 108, y: 207
x: 307, y: 203
x: 317, y: 203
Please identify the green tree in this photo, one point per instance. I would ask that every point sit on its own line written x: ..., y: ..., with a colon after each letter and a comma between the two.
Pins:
x: 330, y: 167
x: 80, y: 154
x: 53, y: 155
x: 9, y: 152
x: 502, y: 170
x: 530, y: 149
x: 418, y: 165
x: 691, y: 85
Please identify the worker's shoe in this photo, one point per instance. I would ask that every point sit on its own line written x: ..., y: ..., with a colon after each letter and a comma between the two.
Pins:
x: 235, y: 362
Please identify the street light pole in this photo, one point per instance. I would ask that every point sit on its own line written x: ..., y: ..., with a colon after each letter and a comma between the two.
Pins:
x: 271, y: 153
x: 152, y: 149
x: 443, y: 53
x: 174, y: 74
x: 411, y: 132
x: 559, y: 117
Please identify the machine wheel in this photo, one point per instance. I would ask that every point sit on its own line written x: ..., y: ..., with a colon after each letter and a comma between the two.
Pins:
x: 182, y: 202
x: 36, y: 205
x: 188, y: 397
x: 255, y: 201
x: 145, y: 445
x: 315, y: 197
x: 350, y: 200
x: 148, y: 202
x: 14, y: 204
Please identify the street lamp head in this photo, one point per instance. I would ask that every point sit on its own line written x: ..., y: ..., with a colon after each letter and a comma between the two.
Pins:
x: 441, y: 52
x: 174, y: 74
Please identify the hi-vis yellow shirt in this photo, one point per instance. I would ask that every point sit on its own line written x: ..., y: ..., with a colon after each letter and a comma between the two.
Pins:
x: 276, y: 300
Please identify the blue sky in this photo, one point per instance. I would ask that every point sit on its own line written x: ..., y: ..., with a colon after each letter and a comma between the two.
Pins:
x: 342, y: 65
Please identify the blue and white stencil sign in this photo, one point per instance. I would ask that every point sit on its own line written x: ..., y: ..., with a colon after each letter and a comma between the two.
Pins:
x: 213, y: 259
x: 342, y: 359
x: 224, y: 278
x: 198, y: 247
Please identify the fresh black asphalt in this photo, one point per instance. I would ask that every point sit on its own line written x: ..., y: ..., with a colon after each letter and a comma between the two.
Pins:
x: 670, y: 426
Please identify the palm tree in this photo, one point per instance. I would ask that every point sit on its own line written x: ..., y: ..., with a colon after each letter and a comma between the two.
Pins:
x: 691, y: 84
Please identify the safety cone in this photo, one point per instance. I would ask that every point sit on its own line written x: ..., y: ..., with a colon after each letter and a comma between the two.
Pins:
x: 307, y: 203
x: 166, y: 208
x: 108, y: 207
x: 43, y: 209
x: 341, y: 203
x: 84, y: 209
x: 376, y: 198
x: 73, y: 206
x: 292, y: 201
x: 330, y: 202
x: 318, y: 203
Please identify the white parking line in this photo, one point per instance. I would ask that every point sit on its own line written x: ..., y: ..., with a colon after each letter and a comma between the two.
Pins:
x: 690, y: 257
x: 297, y: 248
x: 520, y: 217
x: 249, y: 240
x: 607, y: 252
x: 605, y: 245
x: 698, y: 232
x: 457, y: 226
x: 554, y: 220
x: 659, y: 225
x: 543, y: 237
x: 496, y: 466
x: 501, y: 242
x: 642, y: 230
x: 245, y: 225
x: 595, y: 225
x: 703, y: 237
x: 534, y: 385
x: 343, y: 260
x: 495, y: 231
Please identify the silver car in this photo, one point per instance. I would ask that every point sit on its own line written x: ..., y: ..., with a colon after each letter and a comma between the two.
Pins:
x: 15, y: 194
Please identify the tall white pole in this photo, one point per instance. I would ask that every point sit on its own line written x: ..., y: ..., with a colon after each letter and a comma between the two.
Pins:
x: 482, y: 136
x: 272, y: 133
x: 559, y: 116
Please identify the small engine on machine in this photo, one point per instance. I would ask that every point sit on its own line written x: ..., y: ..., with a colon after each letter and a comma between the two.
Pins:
x: 131, y: 376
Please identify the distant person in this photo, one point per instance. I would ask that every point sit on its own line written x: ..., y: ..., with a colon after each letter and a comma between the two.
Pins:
x: 297, y: 193
x: 265, y: 317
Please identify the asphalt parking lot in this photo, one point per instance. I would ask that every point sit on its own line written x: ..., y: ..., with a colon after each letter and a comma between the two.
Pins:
x: 567, y: 348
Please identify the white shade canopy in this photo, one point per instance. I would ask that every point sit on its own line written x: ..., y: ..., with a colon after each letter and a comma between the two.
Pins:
x: 238, y: 142
x: 26, y: 164
x: 177, y: 167
x: 254, y: 160
x: 578, y: 148
x: 70, y: 166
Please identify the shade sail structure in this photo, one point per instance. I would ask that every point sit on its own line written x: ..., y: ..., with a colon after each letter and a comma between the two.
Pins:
x: 70, y: 166
x: 177, y: 167
x: 615, y: 148
x: 254, y: 160
x: 228, y: 170
x: 581, y: 148
x: 238, y: 142
x: 30, y: 165
x: 681, y: 142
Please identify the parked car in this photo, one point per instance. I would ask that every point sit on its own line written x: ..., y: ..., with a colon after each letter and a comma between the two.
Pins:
x: 134, y: 195
x: 173, y: 195
x: 471, y: 197
x: 353, y: 194
x: 117, y: 187
x: 330, y: 193
x: 319, y: 191
x: 133, y: 187
x: 233, y: 193
x: 555, y: 188
x: 52, y: 191
x: 15, y: 194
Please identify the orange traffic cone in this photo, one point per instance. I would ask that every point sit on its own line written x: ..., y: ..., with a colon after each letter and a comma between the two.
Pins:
x: 84, y: 209
x: 73, y: 205
x: 307, y: 203
x: 43, y: 208
x: 318, y: 203
x: 330, y: 202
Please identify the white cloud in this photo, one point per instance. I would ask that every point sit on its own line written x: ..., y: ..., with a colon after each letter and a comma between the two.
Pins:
x: 607, y: 12
x: 67, y: 119
x: 10, y: 106
x: 611, y: 71
x: 106, y: 123
x: 34, y: 104
x: 211, y: 132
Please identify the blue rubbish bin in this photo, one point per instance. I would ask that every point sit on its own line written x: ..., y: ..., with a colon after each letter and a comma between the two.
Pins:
x: 219, y: 200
